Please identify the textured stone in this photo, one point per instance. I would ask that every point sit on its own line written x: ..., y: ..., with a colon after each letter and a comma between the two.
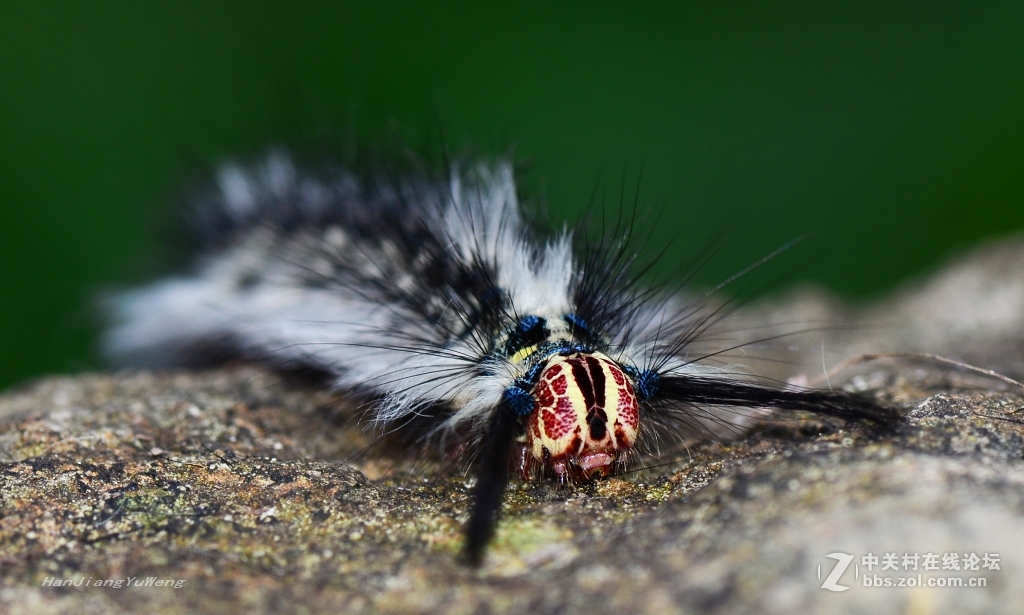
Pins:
x: 264, y: 496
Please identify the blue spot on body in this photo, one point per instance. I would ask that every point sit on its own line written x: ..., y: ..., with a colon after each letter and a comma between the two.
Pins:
x: 577, y: 323
x: 646, y: 384
x: 527, y: 323
x: 518, y: 399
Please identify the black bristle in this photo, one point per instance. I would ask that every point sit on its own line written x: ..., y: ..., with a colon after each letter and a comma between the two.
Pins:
x: 492, y: 475
x: 843, y: 405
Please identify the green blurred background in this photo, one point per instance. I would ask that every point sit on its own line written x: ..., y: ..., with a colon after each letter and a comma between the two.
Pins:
x: 893, y: 130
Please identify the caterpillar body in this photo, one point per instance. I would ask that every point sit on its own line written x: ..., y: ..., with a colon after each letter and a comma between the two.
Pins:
x: 434, y: 299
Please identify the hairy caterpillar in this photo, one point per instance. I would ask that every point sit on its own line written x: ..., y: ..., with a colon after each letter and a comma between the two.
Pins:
x: 434, y: 299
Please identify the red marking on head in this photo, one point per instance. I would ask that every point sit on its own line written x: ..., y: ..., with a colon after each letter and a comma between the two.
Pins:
x: 620, y: 378
x: 543, y: 395
x: 586, y: 415
x: 620, y: 437
x: 629, y: 411
x: 560, y: 384
x: 576, y: 445
x: 558, y: 421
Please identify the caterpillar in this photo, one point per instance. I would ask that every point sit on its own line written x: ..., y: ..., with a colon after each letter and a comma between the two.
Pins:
x: 433, y: 298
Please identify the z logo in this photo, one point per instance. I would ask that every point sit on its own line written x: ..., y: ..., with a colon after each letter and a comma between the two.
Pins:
x: 843, y: 562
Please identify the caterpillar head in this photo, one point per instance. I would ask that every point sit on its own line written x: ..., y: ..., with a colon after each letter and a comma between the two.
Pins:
x: 585, y: 415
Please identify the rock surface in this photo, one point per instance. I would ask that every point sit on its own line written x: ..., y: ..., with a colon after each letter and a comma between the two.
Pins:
x: 253, y: 495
